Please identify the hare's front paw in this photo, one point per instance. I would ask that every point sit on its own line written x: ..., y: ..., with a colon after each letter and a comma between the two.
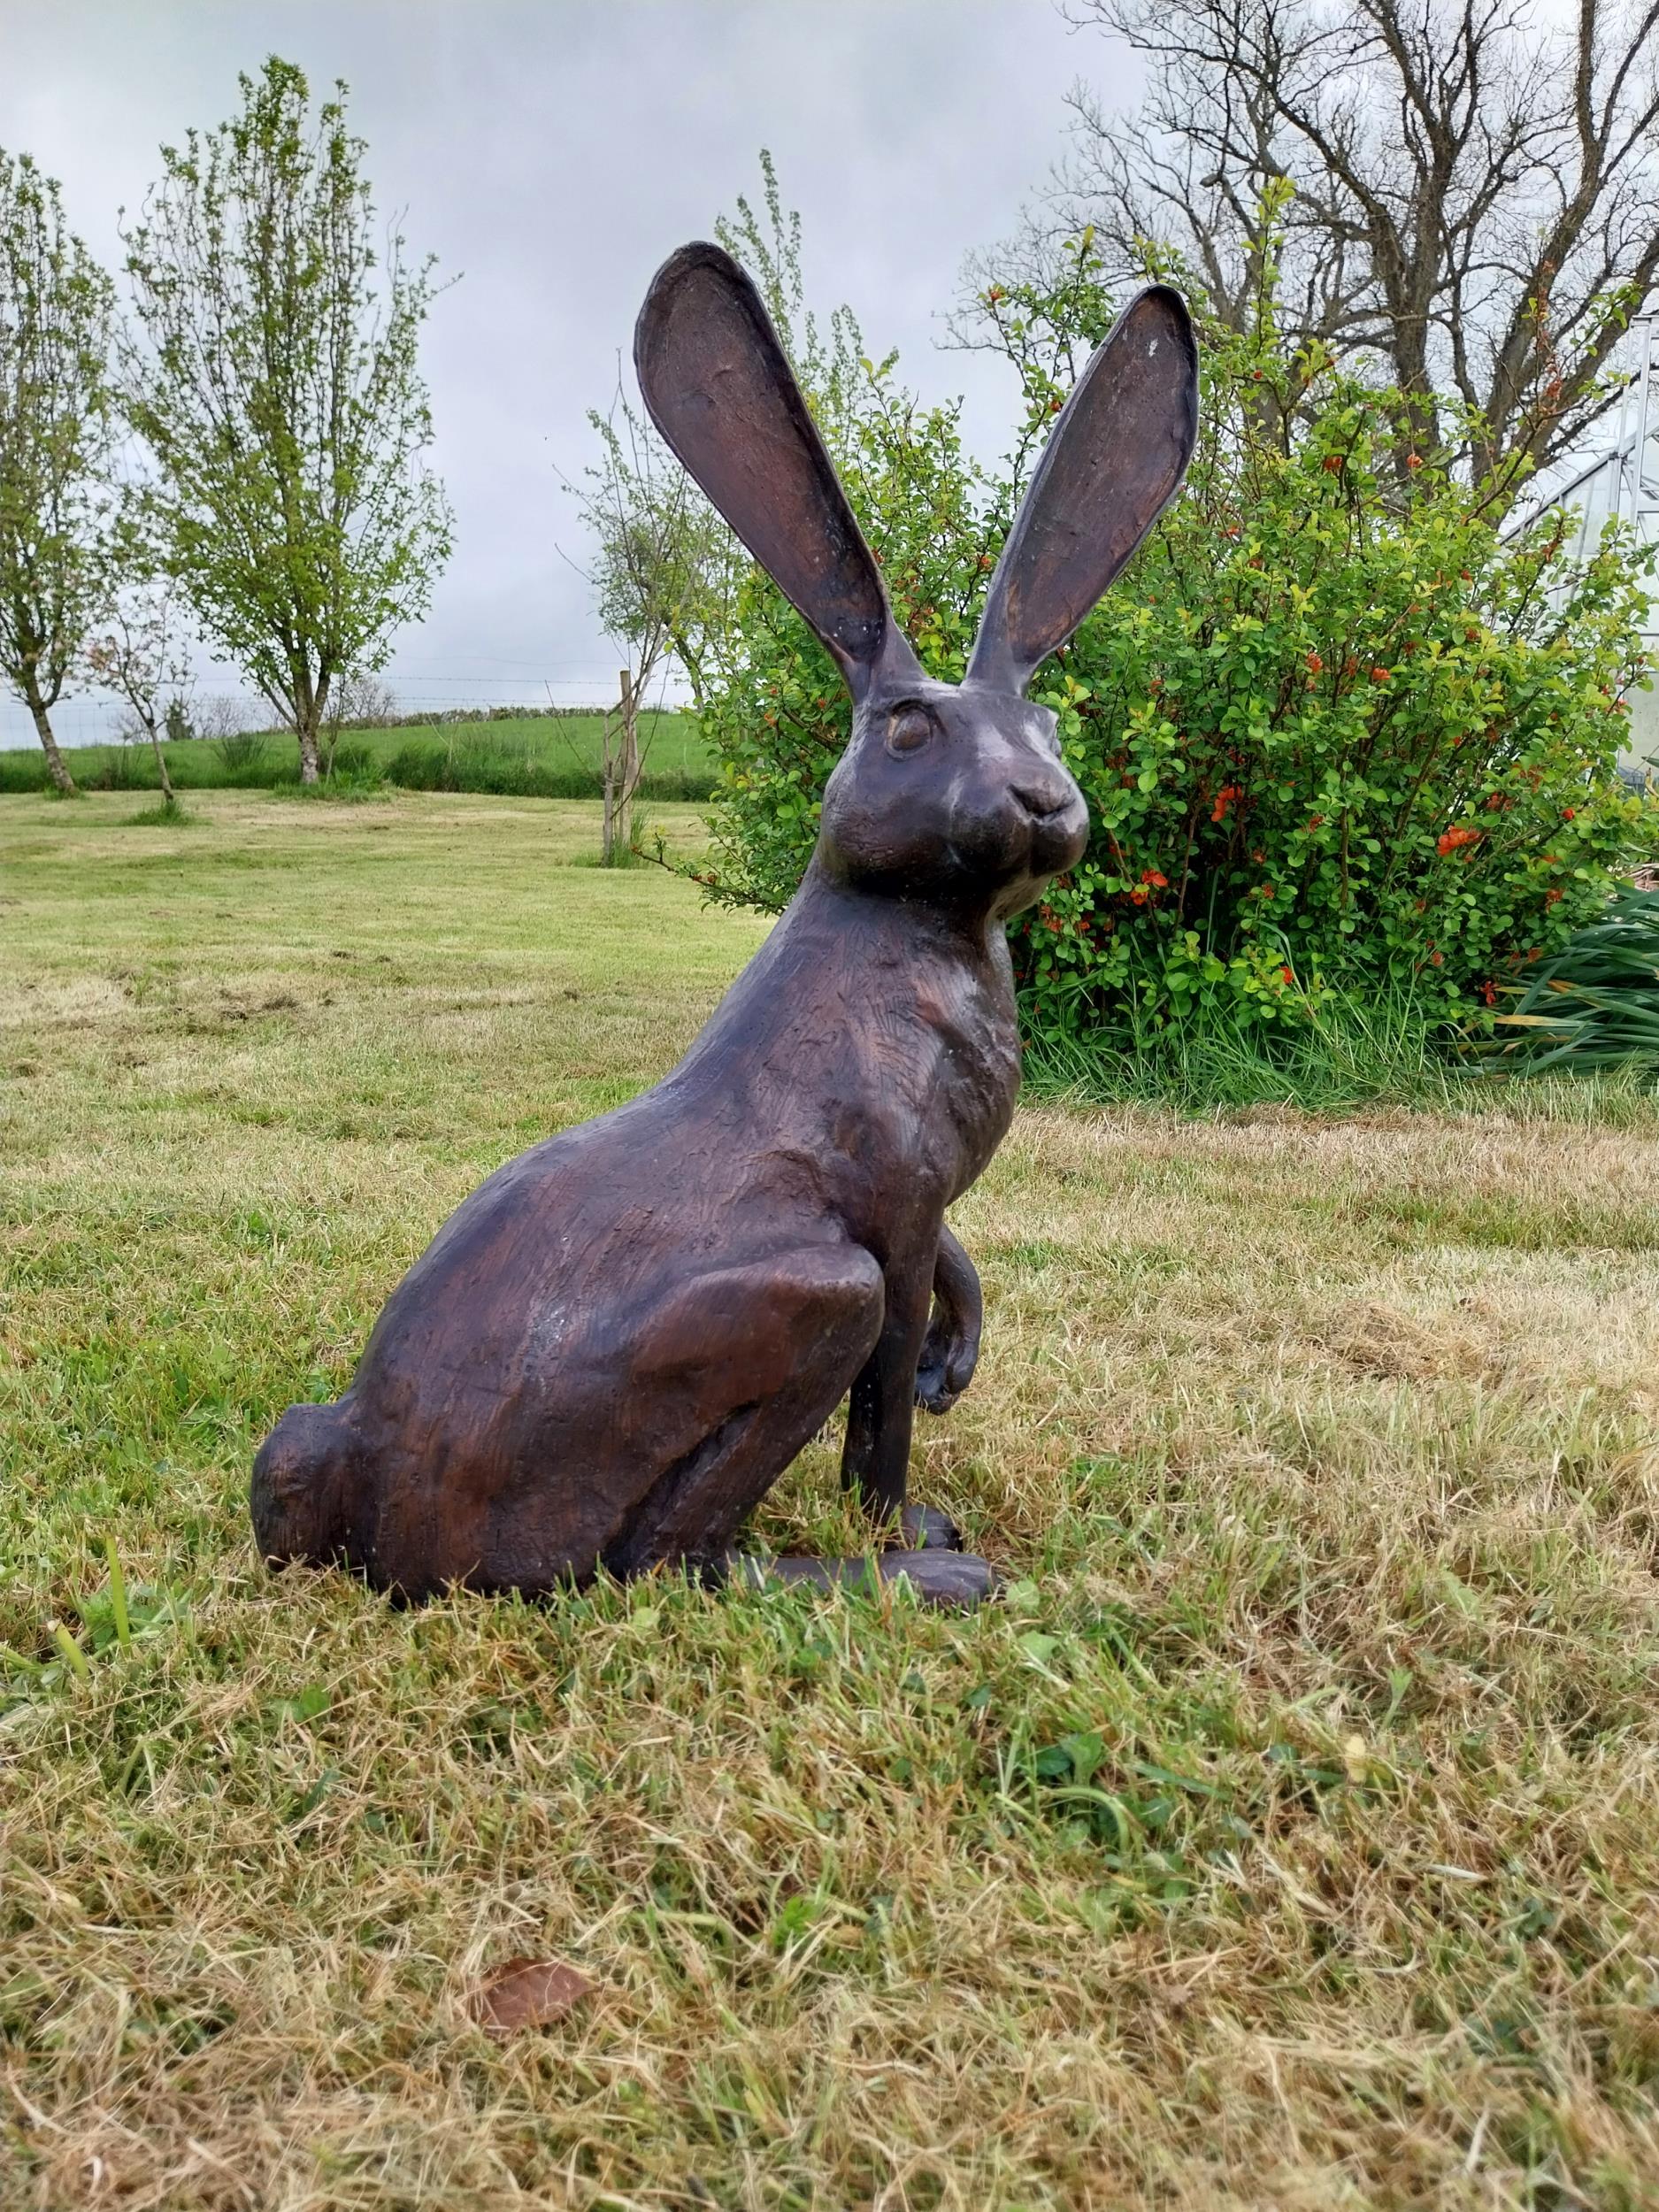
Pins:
x: 946, y: 1367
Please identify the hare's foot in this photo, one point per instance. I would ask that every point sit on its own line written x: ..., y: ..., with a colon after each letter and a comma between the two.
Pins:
x: 950, y: 1579
x: 925, y: 1528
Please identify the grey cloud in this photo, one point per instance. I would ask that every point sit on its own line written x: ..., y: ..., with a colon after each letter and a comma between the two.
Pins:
x: 550, y: 156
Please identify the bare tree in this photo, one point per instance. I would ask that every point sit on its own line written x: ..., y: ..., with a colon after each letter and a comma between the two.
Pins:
x: 357, y: 700
x: 666, y: 566
x: 140, y: 654
x: 1474, y: 202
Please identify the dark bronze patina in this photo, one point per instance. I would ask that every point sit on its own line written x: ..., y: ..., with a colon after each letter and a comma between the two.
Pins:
x: 615, y: 1347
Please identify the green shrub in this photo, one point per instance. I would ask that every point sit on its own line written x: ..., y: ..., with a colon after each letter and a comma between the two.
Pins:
x: 244, y: 756
x: 1338, y: 736
x: 23, y: 769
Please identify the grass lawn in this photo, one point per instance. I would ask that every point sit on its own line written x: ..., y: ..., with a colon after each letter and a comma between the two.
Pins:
x: 1288, y: 1837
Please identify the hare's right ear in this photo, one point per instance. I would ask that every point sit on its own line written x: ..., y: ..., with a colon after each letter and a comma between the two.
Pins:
x: 721, y: 392
x: 1114, y: 461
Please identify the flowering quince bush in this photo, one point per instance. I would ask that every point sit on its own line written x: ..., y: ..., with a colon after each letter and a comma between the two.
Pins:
x: 1336, y: 733
x: 1333, y: 730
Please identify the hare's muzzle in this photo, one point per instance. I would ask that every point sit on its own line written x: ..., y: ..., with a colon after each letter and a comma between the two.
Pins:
x: 1045, y: 796
x: 1058, y: 818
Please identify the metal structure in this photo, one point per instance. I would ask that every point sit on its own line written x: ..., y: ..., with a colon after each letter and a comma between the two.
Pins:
x: 617, y: 1345
x: 1622, y: 485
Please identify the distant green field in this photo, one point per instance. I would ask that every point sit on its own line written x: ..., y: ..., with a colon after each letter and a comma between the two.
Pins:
x: 553, y: 757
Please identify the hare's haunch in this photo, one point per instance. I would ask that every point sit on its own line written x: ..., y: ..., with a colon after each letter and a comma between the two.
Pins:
x: 614, y: 1349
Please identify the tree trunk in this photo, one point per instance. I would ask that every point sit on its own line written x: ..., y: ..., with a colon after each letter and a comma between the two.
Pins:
x: 310, y: 763
x: 63, y: 782
x: 311, y: 702
x: 161, y: 763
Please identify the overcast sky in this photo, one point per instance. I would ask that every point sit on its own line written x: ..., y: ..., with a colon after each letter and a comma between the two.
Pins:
x: 552, y: 155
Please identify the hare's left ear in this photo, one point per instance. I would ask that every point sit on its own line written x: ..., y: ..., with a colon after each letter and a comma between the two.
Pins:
x: 721, y: 392
x: 1114, y: 461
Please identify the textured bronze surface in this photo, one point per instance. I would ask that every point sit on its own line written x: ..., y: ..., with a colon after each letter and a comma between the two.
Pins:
x: 614, y: 1348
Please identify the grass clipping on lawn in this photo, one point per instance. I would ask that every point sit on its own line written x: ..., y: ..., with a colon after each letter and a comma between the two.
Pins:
x: 1288, y: 1837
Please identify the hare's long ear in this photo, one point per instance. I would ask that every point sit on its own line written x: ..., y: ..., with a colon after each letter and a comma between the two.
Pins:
x: 1114, y: 461
x: 722, y: 393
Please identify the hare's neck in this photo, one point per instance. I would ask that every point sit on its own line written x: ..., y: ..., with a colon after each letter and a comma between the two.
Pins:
x: 877, y: 1005
x: 886, y: 939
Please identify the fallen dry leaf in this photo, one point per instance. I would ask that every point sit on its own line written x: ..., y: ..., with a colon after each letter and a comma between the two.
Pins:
x: 528, y: 1993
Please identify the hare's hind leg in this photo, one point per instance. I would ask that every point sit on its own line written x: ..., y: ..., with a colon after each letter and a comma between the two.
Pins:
x: 754, y: 1359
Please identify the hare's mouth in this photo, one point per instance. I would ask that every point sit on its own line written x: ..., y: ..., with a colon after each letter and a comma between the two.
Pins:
x: 1053, y: 852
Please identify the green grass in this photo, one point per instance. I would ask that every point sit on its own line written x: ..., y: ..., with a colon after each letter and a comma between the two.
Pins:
x: 563, y: 750
x: 1284, y: 1838
x: 1346, y: 1055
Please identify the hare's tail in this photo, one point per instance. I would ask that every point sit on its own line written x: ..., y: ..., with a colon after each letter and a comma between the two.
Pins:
x: 303, y: 1485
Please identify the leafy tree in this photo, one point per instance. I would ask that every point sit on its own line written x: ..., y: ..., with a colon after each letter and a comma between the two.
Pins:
x: 56, y: 312
x: 275, y: 383
x: 1473, y: 206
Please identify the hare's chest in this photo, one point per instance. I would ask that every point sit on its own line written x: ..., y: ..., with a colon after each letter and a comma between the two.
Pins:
x: 968, y: 1071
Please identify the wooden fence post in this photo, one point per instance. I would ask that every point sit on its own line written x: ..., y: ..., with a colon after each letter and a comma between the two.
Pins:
x: 630, y: 759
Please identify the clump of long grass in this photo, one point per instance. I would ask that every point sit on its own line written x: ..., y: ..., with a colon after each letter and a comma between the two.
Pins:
x: 1341, y: 1052
x: 1594, y: 1007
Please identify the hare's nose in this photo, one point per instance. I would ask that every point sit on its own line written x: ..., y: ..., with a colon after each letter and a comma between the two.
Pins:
x: 1042, y: 797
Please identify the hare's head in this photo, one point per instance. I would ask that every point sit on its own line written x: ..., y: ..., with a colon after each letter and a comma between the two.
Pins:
x: 945, y: 792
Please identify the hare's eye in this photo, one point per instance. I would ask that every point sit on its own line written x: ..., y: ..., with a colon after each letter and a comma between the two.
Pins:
x: 908, y: 729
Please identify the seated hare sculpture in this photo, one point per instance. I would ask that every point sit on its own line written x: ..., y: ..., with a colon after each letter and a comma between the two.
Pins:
x: 617, y: 1345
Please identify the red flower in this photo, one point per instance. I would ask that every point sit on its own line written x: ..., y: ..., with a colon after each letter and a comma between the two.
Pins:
x: 1151, y: 875
x: 1567, y: 813
x: 1413, y: 461
x: 1139, y: 894
x: 1550, y: 897
x: 1490, y: 992
x: 1315, y: 663
x: 1334, y: 462
x: 1287, y: 975
x: 1450, y: 840
x: 1380, y: 675
x: 1225, y: 797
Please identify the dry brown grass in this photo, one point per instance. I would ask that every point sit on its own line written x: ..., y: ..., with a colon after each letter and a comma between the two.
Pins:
x: 1286, y: 1839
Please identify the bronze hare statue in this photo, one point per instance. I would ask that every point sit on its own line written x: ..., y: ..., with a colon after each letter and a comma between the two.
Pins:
x: 617, y: 1345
